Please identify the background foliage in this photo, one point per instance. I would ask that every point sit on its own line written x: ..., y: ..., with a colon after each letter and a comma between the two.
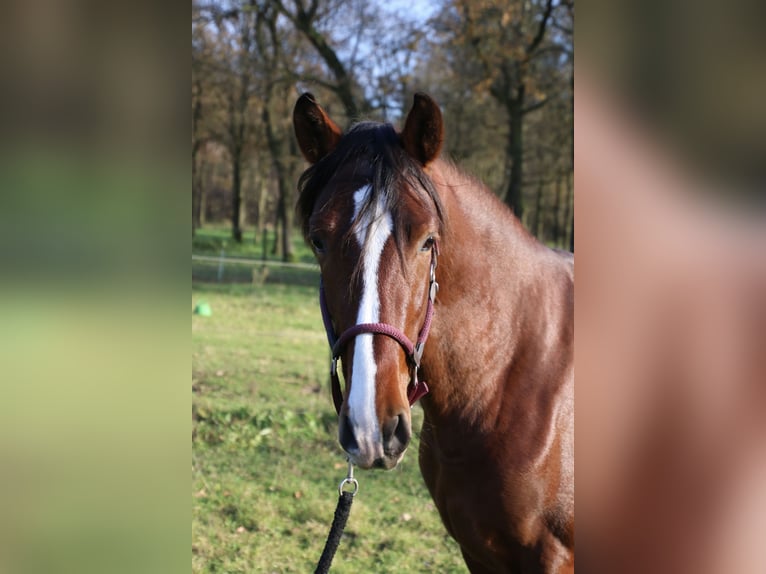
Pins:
x: 502, y: 72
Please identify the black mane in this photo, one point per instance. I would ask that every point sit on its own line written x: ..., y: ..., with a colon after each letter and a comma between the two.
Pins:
x: 386, y: 166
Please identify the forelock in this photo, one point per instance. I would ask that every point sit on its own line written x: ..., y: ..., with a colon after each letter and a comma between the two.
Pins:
x: 377, y: 156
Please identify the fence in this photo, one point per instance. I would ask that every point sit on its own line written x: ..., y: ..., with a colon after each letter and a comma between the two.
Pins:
x: 222, y: 269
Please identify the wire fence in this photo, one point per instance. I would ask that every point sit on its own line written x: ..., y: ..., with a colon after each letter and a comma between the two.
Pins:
x: 223, y: 269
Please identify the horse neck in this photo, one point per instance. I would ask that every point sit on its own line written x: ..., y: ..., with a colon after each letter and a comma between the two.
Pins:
x: 488, y: 264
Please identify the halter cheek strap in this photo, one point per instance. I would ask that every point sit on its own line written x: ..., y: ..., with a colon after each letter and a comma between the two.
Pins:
x: 414, y: 353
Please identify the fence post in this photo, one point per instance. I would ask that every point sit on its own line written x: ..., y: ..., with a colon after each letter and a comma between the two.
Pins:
x: 220, y: 265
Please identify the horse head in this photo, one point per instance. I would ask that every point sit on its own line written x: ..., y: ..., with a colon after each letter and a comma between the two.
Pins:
x: 373, y: 218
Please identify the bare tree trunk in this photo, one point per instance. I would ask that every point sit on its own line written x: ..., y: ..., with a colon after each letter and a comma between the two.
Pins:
x: 196, y: 145
x: 536, y: 225
x: 196, y: 195
x: 571, y: 237
x: 284, y: 206
x: 236, y: 194
x: 569, y: 211
x: 206, y: 183
x: 262, y: 192
x: 557, y: 227
x: 344, y: 87
x: 277, y: 222
x: 288, y: 253
x: 201, y: 181
x: 513, y: 196
x: 276, y: 138
x: 258, y: 187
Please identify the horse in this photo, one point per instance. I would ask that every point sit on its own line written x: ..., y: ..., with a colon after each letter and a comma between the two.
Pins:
x: 411, y: 248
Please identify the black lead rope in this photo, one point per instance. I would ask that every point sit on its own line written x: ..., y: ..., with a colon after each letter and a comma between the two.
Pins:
x: 342, y: 511
x: 336, y: 530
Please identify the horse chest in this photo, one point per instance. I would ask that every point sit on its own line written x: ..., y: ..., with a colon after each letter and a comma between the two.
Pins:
x: 497, y: 518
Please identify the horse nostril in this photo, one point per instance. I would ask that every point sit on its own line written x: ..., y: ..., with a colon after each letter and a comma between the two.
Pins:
x: 396, y: 434
x: 346, y: 434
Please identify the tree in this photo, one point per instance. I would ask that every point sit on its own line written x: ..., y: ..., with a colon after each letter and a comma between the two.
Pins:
x: 201, y: 62
x: 197, y: 142
x: 234, y: 86
x: 502, y: 73
x: 508, y: 45
x: 274, y: 78
x: 308, y: 20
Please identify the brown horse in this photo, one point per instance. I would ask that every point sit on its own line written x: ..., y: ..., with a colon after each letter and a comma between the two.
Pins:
x: 387, y: 219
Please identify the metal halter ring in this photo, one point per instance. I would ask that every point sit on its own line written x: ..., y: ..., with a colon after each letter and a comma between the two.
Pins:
x: 346, y: 481
x: 349, y: 480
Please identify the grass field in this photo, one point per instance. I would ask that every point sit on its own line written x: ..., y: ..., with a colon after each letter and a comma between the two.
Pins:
x: 265, y: 460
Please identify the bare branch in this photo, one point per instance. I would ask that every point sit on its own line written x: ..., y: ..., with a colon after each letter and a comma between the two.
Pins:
x: 551, y: 49
x: 562, y: 29
x: 535, y: 106
x: 316, y: 80
x: 541, y: 28
x: 312, y: 11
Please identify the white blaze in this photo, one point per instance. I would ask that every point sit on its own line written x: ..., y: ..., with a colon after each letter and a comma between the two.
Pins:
x: 361, y: 400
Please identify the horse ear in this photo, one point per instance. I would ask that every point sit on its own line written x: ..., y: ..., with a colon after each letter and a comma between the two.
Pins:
x: 317, y: 134
x: 423, y: 132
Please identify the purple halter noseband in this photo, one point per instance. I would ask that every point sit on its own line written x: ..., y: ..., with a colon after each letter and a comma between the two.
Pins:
x: 416, y: 388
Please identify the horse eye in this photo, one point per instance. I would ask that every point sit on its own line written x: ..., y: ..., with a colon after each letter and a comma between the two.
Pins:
x: 429, y: 243
x: 317, y: 243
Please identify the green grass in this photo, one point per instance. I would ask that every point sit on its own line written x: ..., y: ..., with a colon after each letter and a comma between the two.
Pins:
x: 265, y: 460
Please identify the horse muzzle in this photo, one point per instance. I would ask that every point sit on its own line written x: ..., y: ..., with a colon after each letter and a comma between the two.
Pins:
x: 383, y: 449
